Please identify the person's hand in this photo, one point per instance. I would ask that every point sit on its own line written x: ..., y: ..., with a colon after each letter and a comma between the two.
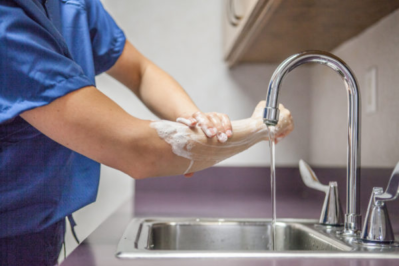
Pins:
x: 212, y: 124
x: 285, y: 123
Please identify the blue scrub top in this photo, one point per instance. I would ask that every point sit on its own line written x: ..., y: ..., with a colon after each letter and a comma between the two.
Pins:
x: 47, y: 49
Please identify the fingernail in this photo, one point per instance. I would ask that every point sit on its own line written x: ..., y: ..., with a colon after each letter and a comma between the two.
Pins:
x: 193, y: 121
x: 222, y: 137
x: 209, y: 132
x: 229, y: 133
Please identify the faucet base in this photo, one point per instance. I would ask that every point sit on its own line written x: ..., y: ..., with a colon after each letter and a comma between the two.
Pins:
x: 352, y: 226
x: 376, y: 244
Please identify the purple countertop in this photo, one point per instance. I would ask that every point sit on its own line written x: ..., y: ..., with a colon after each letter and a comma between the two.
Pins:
x: 226, y: 192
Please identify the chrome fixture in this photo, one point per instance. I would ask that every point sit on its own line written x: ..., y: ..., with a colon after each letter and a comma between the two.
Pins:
x: 199, y: 238
x: 331, y: 213
x: 353, y: 218
x: 377, y: 228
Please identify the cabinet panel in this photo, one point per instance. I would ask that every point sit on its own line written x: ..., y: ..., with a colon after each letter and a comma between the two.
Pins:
x: 238, y: 18
x: 280, y: 28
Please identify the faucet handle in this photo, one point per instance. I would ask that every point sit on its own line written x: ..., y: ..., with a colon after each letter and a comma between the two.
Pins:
x: 331, y: 213
x: 392, y: 191
x: 377, y: 227
x: 309, y: 177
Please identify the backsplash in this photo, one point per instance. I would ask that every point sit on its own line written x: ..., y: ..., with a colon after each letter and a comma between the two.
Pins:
x: 216, y: 185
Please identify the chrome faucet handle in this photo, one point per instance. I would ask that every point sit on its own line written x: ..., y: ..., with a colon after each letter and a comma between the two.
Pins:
x: 392, y: 191
x: 377, y: 226
x: 309, y: 177
x: 331, y: 213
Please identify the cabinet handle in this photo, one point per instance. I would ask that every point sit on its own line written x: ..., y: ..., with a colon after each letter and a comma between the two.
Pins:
x: 232, y: 16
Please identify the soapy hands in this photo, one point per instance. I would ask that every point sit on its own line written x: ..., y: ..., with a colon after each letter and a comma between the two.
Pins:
x: 212, y: 124
x: 219, y: 125
x: 285, y: 123
x: 202, y: 152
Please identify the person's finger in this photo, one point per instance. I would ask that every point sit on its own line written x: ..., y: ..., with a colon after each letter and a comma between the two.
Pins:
x: 284, y: 133
x: 285, y: 125
x: 187, y: 120
x: 226, y: 124
x: 205, y: 124
x: 221, y: 132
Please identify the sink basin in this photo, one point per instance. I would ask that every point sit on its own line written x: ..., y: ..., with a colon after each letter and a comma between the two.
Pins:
x: 199, y: 238
x: 222, y: 235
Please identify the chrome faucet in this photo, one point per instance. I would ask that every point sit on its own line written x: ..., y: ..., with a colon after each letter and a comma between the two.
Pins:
x: 352, y: 225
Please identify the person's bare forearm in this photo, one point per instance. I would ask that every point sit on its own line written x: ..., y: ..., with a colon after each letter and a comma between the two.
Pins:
x: 89, y: 123
x: 153, y: 86
x: 203, y: 152
x: 164, y: 96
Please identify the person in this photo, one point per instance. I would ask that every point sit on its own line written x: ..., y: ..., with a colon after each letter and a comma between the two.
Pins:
x: 56, y: 128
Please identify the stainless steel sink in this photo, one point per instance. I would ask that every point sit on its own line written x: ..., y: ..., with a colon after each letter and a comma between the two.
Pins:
x: 200, y: 238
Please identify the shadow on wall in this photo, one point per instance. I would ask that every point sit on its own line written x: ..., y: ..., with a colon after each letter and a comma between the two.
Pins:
x: 253, y: 79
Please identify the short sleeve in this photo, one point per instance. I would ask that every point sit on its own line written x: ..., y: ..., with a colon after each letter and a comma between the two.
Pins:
x: 34, y: 70
x: 107, y: 39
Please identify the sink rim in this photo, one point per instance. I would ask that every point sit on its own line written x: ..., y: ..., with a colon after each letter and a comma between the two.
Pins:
x: 133, y: 232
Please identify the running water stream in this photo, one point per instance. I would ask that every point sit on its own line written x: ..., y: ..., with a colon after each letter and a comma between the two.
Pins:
x: 272, y: 143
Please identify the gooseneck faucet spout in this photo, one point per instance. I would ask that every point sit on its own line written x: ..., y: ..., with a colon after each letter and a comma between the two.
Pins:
x: 271, y: 116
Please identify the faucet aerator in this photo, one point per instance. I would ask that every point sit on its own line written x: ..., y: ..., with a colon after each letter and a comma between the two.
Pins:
x: 271, y: 116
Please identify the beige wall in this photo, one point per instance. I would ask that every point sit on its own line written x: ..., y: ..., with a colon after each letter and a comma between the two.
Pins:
x: 377, y: 46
